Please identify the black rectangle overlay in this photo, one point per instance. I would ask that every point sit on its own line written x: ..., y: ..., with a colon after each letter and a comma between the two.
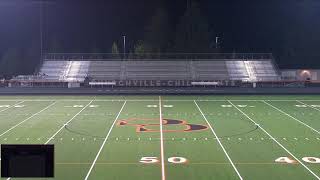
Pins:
x: 27, y: 161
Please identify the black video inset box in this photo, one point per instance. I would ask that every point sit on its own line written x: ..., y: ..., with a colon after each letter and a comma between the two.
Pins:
x: 27, y: 161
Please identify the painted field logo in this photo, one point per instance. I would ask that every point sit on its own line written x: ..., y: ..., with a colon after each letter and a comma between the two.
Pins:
x: 150, y: 125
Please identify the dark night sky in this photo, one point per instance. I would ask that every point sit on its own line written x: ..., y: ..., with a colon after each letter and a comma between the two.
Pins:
x: 244, y: 25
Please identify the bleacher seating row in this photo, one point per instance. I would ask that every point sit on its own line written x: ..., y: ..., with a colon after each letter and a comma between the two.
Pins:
x: 253, y: 70
x: 65, y: 70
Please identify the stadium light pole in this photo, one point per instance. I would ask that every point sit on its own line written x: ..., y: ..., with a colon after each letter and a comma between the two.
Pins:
x: 41, y: 32
x: 124, y: 47
x: 217, y: 41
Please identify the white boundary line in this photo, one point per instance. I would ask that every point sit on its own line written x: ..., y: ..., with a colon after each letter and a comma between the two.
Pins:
x: 104, y: 142
x: 214, y: 133
x: 12, y: 106
x: 35, y: 114
x: 308, y: 105
x: 315, y: 175
x: 292, y: 117
x: 163, y: 177
x: 65, y: 124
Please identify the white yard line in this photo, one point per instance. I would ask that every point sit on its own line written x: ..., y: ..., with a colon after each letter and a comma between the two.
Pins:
x: 68, y: 122
x: 64, y: 124
x: 308, y: 105
x: 163, y: 174
x: 12, y: 106
x: 216, y: 136
x: 28, y: 118
x: 271, y: 137
x: 292, y: 117
x: 104, y: 142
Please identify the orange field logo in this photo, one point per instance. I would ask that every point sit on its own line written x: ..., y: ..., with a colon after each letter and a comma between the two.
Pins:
x: 150, y: 125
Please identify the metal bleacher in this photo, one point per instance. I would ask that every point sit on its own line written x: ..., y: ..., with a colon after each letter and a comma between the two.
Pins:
x: 207, y: 70
x: 53, y: 70
x: 252, y: 67
x: 76, y: 70
x: 105, y: 70
x: 237, y: 70
x: 65, y: 70
x: 161, y: 70
x: 263, y: 70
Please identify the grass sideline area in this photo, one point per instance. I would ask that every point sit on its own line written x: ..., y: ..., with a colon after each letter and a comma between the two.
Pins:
x: 170, y: 137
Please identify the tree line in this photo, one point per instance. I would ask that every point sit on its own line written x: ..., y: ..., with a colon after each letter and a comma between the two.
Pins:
x: 189, y: 32
x: 190, y: 35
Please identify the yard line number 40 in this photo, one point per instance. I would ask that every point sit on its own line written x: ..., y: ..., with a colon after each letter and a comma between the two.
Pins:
x: 312, y: 160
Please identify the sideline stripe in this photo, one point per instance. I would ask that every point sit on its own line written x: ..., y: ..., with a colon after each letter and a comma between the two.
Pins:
x: 292, y: 117
x: 315, y: 175
x: 214, y: 133
x: 12, y: 106
x: 104, y: 142
x: 161, y: 141
x: 68, y: 122
x: 28, y: 118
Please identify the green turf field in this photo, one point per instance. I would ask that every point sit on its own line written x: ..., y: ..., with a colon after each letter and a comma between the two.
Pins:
x: 199, y: 137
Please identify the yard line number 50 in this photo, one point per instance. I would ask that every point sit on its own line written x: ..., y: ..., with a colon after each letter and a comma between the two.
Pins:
x: 173, y: 160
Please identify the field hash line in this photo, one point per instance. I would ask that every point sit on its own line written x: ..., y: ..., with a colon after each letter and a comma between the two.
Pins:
x: 292, y: 117
x: 12, y: 106
x: 104, y: 142
x: 35, y: 114
x: 314, y: 174
x: 308, y: 105
x: 163, y: 177
x: 224, y: 150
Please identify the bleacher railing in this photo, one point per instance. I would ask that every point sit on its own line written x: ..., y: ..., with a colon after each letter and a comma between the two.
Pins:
x: 155, y: 56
